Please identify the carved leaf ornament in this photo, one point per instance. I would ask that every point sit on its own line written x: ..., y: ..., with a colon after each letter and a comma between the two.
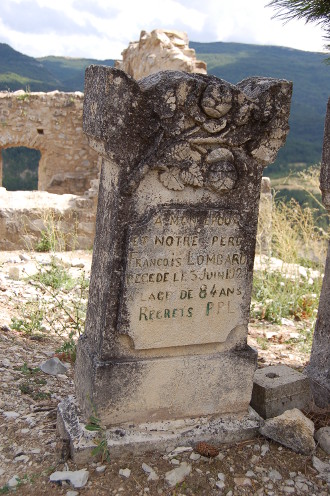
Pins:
x: 176, y: 179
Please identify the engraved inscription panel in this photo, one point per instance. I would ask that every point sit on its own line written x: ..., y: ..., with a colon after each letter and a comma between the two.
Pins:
x: 185, y: 278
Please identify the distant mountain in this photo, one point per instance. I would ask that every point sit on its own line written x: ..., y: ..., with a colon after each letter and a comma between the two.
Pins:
x: 230, y: 61
x: 71, y: 71
x: 18, y: 71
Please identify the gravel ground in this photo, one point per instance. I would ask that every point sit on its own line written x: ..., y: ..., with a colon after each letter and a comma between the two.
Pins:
x: 30, y: 450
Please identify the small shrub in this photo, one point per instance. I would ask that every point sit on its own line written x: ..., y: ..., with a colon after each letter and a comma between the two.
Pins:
x: 23, y: 97
x: 68, y: 351
x: 263, y: 343
x: 56, y: 277
x: 31, y: 320
x: 278, y: 295
x: 44, y: 244
x: 296, y: 240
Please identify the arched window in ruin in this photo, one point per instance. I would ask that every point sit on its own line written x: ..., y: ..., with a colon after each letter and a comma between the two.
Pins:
x: 20, y: 168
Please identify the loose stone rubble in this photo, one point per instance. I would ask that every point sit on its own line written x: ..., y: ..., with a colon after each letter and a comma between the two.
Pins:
x: 292, y: 429
x: 25, y: 216
x: 322, y: 436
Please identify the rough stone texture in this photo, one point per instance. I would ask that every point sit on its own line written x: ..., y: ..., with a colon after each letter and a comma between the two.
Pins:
x: 78, y: 478
x: 279, y: 388
x: 178, y: 475
x: 53, y: 366
x: 51, y: 123
x: 160, y: 50
x: 170, y: 290
x: 323, y: 468
x: 318, y: 369
x: 322, y: 437
x: 293, y: 430
x: 25, y: 214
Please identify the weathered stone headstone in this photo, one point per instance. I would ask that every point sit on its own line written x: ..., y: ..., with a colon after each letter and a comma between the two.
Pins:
x: 166, y: 332
x: 318, y: 369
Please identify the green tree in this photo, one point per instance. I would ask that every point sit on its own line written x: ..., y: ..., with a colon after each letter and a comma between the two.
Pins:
x: 317, y: 11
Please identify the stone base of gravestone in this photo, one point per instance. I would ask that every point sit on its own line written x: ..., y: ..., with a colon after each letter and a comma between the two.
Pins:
x: 173, y: 387
x: 148, y: 436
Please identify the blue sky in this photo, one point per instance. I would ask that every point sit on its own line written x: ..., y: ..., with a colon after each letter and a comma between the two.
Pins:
x: 101, y: 29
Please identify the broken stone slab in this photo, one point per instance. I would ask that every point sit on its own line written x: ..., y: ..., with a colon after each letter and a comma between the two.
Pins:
x: 292, y: 429
x: 14, y: 481
x: 152, y: 474
x: 138, y: 439
x: 77, y: 478
x: 178, y: 475
x: 125, y: 472
x: 279, y: 388
x: 322, y: 436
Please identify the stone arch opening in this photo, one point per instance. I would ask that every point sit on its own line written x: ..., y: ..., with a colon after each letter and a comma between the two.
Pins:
x: 20, y: 168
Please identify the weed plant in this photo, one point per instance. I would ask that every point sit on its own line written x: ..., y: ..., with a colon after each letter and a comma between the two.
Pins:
x: 277, y: 295
x: 61, y: 305
x: 291, y: 292
x: 52, y: 236
x: 33, y: 382
x: 56, y: 277
x: 31, y: 320
x: 62, y: 300
x: 101, y: 450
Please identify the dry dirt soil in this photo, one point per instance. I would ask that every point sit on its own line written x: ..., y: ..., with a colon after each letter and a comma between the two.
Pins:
x: 30, y: 449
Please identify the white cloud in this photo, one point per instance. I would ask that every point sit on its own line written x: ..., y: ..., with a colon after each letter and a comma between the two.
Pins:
x: 103, y: 28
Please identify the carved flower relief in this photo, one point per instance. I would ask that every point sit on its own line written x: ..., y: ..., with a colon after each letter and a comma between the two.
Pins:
x: 217, y: 174
x: 221, y: 174
x: 217, y: 100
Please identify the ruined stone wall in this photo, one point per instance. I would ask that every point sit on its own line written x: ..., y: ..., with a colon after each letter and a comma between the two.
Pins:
x: 160, y: 50
x: 25, y: 215
x: 51, y: 123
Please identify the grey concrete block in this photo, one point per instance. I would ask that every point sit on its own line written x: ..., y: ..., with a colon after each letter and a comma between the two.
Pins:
x: 279, y: 388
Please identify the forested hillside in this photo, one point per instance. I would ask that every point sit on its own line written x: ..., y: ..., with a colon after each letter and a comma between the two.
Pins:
x: 230, y: 61
x: 69, y: 71
x: 311, y: 89
x: 18, y: 71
